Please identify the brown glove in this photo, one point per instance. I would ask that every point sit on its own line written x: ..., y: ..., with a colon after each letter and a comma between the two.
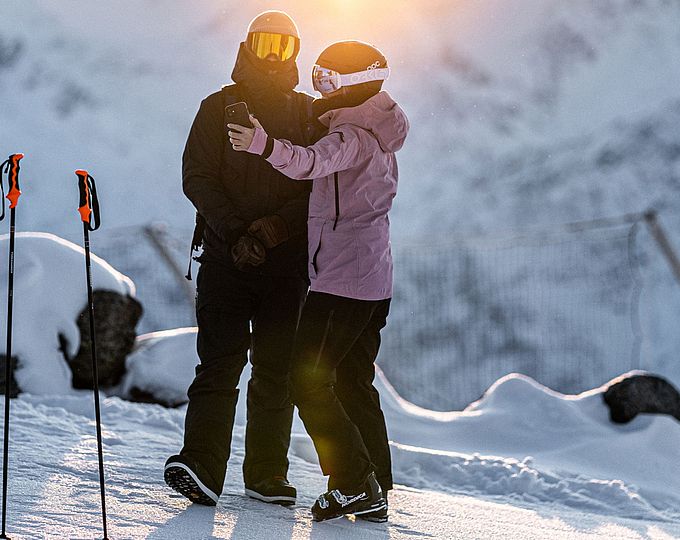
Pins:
x: 248, y: 251
x: 270, y: 230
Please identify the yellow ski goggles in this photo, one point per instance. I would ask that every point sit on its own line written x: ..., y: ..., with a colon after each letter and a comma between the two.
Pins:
x: 265, y: 44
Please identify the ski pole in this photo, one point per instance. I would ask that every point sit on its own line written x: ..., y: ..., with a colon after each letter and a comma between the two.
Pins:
x: 89, y: 214
x: 11, y: 167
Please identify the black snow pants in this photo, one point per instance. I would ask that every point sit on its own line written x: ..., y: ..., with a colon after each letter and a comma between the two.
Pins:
x: 227, y: 302
x: 333, y: 370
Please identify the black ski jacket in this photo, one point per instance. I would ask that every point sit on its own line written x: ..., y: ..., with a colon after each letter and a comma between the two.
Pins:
x: 232, y: 189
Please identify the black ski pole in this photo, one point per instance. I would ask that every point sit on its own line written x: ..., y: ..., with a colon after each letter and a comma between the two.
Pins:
x: 89, y: 214
x: 11, y: 166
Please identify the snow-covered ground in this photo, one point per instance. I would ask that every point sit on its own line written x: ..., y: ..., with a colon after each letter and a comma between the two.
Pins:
x: 523, y: 463
x: 520, y: 439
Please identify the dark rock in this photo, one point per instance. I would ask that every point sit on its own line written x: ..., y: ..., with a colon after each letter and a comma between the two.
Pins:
x: 14, y: 388
x: 115, y: 319
x: 635, y: 393
x: 143, y: 396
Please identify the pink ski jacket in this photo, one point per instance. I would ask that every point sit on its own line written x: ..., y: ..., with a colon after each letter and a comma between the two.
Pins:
x: 355, y: 180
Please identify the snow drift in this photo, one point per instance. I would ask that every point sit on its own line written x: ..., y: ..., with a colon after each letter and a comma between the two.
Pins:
x: 521, y: 440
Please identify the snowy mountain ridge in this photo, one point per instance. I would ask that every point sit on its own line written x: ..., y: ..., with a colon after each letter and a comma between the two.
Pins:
x: 499, y: 76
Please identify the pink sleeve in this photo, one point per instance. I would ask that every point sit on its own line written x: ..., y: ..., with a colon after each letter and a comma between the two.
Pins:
x: 259, y: 142
x: 337, y: 151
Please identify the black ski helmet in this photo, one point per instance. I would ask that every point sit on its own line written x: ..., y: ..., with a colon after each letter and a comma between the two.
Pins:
x: 351, y: 56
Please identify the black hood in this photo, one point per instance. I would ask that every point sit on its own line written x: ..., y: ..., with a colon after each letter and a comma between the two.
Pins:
x: 259, y: 75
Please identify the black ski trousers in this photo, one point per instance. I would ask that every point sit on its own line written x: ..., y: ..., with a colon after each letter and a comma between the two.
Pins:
x: 334, y: 356
x: 227, y: 301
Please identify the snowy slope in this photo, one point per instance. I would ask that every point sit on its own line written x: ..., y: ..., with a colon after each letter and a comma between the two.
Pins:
x: 525, y: 77
x: 86, y: 84
x: 484, y: 493
x: 521, y: 439
x: 523, y: 445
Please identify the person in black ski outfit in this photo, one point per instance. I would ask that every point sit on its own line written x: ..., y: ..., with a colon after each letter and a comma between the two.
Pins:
x: 253, y: 272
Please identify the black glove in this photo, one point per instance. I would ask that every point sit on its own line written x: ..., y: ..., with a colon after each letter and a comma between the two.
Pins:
x: 270, y: 230
x: 248, y: 250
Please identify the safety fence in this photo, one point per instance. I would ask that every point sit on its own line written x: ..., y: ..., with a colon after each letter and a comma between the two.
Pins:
x: 155, y: 258
x: 564, y: 305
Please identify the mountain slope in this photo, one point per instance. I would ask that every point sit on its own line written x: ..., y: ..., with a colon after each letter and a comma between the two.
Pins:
x: 115, y: 90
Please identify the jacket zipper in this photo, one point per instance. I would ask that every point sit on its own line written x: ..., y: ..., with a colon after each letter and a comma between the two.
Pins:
x: 337, y: 202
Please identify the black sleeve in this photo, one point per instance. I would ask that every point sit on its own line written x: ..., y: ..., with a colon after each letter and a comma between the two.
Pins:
x: 201, y: 172
x: 295, y: 211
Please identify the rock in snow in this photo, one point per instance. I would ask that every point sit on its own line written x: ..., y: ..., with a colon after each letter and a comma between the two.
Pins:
x: 115, y: 319
x: 639, y: 392
x: 50, y: 291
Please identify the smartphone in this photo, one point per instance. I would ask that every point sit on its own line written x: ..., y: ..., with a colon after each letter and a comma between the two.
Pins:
x: 238, y: 114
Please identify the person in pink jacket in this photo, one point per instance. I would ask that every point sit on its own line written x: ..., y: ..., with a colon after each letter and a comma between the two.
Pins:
x: 350, y: 268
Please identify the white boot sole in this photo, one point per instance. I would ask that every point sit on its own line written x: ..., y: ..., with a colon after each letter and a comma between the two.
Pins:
x: 280, y: 499
x: 185, y: 487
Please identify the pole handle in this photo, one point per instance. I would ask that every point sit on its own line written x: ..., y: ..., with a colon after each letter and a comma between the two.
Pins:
x: 11, y: 167
x: 88, y: 205
x: 14, y: 190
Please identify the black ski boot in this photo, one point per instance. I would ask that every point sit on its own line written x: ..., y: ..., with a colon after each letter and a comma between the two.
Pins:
x: 377, y: 516
x: 189, y: 479
x: 277, y: 490
x: 335, y: 503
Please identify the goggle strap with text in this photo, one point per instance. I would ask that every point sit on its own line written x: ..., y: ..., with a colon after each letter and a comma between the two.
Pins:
x: 350, y: 79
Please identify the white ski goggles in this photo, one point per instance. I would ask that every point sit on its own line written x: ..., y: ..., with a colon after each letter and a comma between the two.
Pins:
x: 326, y: 80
